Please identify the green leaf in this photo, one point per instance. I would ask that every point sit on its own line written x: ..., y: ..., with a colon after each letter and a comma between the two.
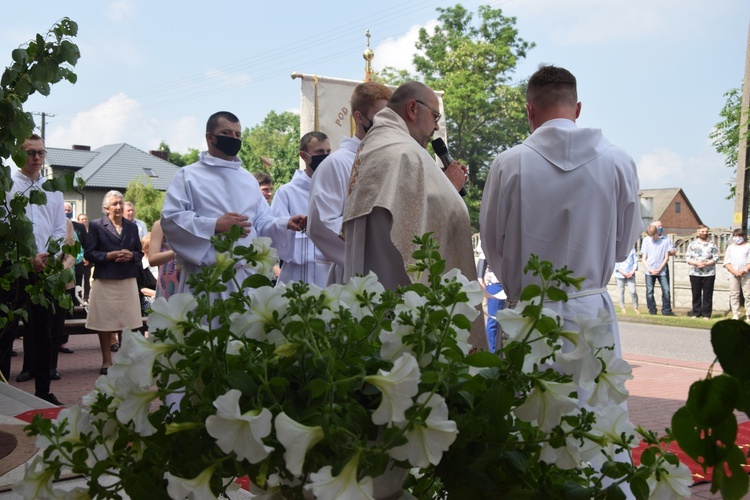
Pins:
x: 731, y: 343
x: 556, y: 294
x: 734, y: 484
x: 649, y: 456
x: 37, y: 197
x: 639, y: 488
x: 530, y: 292
x: 484, y: 359
x: 20, y: 56
x: 712, y: 400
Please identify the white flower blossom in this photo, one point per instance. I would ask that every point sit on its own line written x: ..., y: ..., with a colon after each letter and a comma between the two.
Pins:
x: 358, y: 286
x: 252, y: 323
x: 674, y: 482
x: 266, y: 257
x: 472, y: 289
x: 398, y: 387
x: 426, y: 443
x: 344, y: 486
x: 196, y: 488
x: 392, y: 342
x: 139, y: 353
x: 136, y: 408
x: 566, y: 457
x: 610, y: 386
x: 297, y: 439
x: 37, y: 480
x: 547, y: 403
x: 78, y: 422
x: 611, y: 423
x: 581, y: 362
x: 239, y: 432
x: 168, y: 314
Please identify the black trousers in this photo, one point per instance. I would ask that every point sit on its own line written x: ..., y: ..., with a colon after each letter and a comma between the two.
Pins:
x: 703, y: 295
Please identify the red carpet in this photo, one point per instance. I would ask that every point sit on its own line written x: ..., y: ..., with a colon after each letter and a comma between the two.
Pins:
x: 743, y: 442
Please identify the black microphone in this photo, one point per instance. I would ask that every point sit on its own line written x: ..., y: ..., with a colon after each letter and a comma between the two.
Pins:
x: 438, y: 145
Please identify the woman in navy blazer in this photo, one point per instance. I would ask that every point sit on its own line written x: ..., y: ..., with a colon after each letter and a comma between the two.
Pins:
x: 113, y: 246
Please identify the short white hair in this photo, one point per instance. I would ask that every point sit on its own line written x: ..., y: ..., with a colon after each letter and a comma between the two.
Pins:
x: 107, y: 197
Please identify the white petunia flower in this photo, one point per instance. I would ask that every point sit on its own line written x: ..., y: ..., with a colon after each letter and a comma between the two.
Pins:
x: 297, y: 439
x: 266, y: 257
x: 610, y: 387
x: 78, y: 422
x: 239, y: 432
x: 514, y: 324
x: 196, y: 488
x: 547, y: 403
x: 356, y: 287
x: 135, y: 407
x: 472, y: 289
x: 581, y: 362
x: 139, y: 353
x: 263, y: 302
x: 344, y: 486
x: 392, y: 342
x: 168, y: 314
x: 397, y: 387
x: 37, y: 480
x: 611, y: 423
x: 674, y: 482
x: 426, y: 443
x: 566, y: 457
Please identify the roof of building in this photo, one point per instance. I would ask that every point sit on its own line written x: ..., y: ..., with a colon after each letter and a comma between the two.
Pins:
x: 662, y: 199
x: 113, y: 166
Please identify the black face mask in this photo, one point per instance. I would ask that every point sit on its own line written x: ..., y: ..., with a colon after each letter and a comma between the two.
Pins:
x: 367, y: 128
x: 230, y: 146
x: 316, y: 160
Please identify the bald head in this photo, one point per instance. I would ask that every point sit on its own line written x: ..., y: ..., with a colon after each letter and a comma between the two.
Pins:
x: 418, y: 106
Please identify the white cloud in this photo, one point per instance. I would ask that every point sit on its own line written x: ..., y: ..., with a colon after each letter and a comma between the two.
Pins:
x: 121, y: 10
x: 120, y: 119
x: 399, y: 52
x: 661, y: 165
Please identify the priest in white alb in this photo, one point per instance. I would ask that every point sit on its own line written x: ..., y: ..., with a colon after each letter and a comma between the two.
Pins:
x: 215, y: 193
x: 565, y: 194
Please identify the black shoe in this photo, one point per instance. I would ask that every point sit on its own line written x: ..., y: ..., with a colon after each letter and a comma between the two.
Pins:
x: 13, y: 353
x: 670, y: 313
x: 24, y: 377
x: 103, y: 370
x: 50, y: 398
x: 114, y: 347
x: 54, y: 375
x: 652, y: 313
x: 66, y: 350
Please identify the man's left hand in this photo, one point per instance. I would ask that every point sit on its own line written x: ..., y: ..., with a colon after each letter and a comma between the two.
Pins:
x: 297, y: 223
x: 457, y: 173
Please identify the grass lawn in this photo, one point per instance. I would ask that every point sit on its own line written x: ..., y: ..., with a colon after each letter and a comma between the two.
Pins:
x: 682, y: 320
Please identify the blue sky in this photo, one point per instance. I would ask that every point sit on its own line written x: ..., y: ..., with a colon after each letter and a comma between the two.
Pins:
x: 651, y: 73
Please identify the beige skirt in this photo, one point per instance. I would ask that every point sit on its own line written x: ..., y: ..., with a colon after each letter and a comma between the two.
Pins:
x: 114, y: 305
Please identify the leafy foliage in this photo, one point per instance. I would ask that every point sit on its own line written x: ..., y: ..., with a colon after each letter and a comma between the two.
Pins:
x: 706, y: 427
x: 179, y: 159
x: 37, y: 65
x: 726, y: 135
x: 147, y: 199
x: 275, y: 138
x: 473, y: 62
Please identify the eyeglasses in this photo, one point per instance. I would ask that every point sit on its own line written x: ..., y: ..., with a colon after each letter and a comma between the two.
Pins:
x: 434, y: 113
x: 41, y: 153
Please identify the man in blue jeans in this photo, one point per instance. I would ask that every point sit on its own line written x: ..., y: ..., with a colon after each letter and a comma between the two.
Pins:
x: 656, y: 249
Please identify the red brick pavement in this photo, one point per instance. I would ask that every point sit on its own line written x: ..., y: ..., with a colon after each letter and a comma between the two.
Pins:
x: 658, y: 389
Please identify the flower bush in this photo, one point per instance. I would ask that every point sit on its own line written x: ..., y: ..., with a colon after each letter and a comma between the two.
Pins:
x: 356, y: 392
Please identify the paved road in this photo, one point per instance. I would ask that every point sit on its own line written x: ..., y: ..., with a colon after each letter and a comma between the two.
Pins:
x: 686, y: 344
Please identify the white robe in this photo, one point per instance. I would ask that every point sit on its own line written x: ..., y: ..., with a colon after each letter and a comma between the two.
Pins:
x: 328, y: 189
x: 569, y: 196
x: 304, y: 262
x: 201, y: 193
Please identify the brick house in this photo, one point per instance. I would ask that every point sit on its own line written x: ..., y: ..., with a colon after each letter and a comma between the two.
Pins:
x: 672, y: 207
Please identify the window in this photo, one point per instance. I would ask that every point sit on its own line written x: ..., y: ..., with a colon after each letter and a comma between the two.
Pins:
x: 150, y: 172
x: 677, y: 207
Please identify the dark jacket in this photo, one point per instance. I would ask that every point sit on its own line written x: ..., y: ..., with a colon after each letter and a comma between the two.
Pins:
x: 103, y: 238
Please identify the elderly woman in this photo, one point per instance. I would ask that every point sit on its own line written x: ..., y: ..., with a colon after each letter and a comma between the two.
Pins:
x: 113, y: 246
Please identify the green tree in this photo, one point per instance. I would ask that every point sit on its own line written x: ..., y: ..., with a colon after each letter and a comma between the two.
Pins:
x: 277, y: 139
x: 147, y: 199
x: 36, y: 66
x: 473, y: 62
x: 178, y: 159
x: 726, y: 134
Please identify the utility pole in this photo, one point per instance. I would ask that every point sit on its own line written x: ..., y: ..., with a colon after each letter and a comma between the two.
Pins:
x: 742, y: 196
x: 44, y: 121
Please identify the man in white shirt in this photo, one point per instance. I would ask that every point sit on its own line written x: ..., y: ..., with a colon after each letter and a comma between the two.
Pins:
x: 330, y: 182
x: 214, y: 194
x: 304, y: 262
x: 129, y: 213
x: 48, y: 222
x: 565, y: 194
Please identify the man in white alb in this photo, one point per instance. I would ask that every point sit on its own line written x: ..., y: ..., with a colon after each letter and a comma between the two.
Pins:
x: 304, y: 262
x: 215, y: 193
x: 330, y: 182
x: 565, y: 194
